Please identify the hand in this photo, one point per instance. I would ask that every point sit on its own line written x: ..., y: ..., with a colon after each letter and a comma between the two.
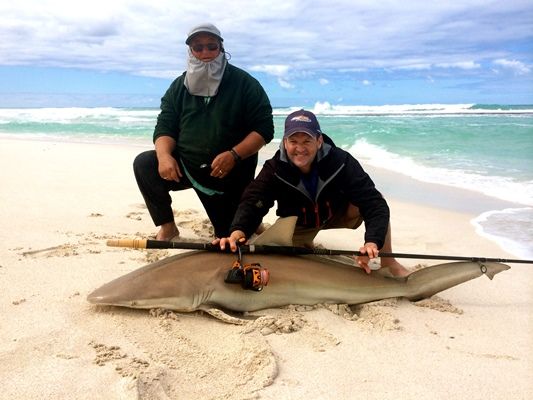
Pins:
x: 222, y: 165
x: 168, y: 168
x: 236, y: 237
x: 371, y: 251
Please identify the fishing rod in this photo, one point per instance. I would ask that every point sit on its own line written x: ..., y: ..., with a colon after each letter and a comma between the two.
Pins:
x: 290, y: 250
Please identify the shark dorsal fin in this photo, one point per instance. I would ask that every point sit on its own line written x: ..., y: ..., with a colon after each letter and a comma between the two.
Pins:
x: 279, y: 234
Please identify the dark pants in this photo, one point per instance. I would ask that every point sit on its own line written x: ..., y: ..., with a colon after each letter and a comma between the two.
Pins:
x: 220, y: 208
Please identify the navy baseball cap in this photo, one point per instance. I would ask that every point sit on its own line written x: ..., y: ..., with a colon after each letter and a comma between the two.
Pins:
x: 302, y: 121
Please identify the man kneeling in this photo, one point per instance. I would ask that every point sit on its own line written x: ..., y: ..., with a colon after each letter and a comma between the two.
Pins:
x: 321, y: 184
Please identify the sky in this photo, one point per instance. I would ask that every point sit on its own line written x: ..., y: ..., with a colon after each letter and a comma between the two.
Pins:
x: 350, y: 52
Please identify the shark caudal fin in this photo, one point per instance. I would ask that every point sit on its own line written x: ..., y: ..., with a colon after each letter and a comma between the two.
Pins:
x: 279, y: 234
x: 437, y: 278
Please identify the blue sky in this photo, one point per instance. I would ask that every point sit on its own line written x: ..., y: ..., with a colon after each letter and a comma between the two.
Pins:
x: 126, y: 53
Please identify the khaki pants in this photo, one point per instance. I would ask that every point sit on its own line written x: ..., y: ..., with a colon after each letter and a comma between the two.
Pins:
x: 348, y: 217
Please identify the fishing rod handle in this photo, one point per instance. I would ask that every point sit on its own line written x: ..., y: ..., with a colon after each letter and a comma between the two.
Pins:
x: 131, y: 243
x: 160, y: 244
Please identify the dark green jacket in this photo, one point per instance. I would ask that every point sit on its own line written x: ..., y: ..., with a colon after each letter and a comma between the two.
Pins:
x: 203, y: 130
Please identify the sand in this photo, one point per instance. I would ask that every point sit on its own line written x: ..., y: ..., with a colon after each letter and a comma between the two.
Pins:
x: 61, y: 201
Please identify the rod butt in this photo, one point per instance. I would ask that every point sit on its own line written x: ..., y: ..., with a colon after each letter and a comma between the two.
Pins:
x: 131, y: 243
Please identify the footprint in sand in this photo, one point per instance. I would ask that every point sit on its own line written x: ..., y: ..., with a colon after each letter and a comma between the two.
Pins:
x: 125, y: 365
x: 377, y: 315
x: 174, y: 357
x: 136, y: 215
x: 439, y: 304
x: 269, y: 324
x: 195, y: 221
x: 289, y: 320
x: 189, y: 219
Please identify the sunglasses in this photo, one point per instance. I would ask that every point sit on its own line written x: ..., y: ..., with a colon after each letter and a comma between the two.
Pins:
x: 198, y: 48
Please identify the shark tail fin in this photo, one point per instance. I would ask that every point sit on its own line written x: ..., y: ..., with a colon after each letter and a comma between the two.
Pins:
x: 431, y: 280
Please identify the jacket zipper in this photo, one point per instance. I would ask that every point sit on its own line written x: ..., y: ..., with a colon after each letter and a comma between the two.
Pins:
x: 315, y: 202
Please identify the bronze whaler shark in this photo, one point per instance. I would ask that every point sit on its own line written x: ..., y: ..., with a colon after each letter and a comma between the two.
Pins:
x: 195, y: 281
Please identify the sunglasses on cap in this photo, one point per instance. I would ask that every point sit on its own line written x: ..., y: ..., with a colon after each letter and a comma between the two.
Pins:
x: 209, y: 46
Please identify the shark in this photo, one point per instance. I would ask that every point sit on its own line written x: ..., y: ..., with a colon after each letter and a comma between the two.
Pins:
x: 195, y: 280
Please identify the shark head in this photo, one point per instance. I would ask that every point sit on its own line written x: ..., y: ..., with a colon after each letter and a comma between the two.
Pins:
x: 169, y: 283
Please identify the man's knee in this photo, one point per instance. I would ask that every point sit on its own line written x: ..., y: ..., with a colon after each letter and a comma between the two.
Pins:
x: 352, y: 217
x: 145, y: 161
x: 352, y: 212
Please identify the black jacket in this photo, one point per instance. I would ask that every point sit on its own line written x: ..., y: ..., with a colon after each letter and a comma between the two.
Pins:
x: 341, y: 180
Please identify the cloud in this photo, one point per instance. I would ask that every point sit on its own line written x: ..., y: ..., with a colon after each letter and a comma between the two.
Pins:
x: 280, y: 38
x: 418, y: 65
x: 366, y: 82
x: 517, y: 67
x: 323, y: 81
x: 285, y: 84
x: 275, y: 70
x: 460, y: 65
x: 281, y: 72
x: 414, y: 66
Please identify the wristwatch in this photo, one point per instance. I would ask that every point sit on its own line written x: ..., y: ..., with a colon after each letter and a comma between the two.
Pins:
x: 236, y: 156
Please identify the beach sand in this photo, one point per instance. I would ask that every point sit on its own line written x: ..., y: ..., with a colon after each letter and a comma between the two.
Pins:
x: 60, y: 202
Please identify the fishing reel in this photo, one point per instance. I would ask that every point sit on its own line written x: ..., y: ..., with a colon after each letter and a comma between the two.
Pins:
x: 250, y: 276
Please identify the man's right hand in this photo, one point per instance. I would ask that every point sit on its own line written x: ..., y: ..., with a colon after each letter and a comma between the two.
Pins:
x: 236, y: 238
x: 168, y: 168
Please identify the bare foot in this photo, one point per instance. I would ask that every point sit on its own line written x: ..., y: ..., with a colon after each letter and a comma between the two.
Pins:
x: 168, y: 232
x: 395, y: 268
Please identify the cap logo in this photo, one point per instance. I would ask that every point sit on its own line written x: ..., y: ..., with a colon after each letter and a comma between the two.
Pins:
x: 301, y: 118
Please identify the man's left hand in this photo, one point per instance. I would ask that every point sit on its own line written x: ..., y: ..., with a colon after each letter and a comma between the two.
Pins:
x: 222, y: 165
x: 371, y: 251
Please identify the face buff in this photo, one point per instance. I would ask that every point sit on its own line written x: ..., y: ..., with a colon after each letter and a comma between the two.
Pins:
x: 203, y: 78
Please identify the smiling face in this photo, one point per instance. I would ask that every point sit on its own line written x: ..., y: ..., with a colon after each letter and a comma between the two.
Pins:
x: 205, y: 47
x: 301, y: 149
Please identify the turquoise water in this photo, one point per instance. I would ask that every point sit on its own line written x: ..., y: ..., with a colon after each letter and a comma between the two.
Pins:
x: 486, y: 149
x: 490, y: 154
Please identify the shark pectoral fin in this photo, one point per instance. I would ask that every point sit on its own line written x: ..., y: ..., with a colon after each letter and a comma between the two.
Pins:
x: 280, y: 233
x: 222, y: 316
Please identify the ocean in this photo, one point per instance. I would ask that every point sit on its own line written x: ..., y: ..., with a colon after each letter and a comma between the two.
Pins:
x: 486, y: 149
